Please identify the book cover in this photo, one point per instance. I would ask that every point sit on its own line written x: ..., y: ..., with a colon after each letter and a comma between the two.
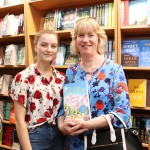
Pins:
x: 138, y: 12
x: 70, y: 59
x: 137, y: 92
x: 130, y: 53
x: 69, y: 18
x: 148, y: 12
x: 144, y: 59
x: 84, y: 12
x: 76, y: 100
x: 21, y: 55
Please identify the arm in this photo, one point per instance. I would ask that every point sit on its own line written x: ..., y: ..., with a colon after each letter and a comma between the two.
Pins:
x: 22, y: 131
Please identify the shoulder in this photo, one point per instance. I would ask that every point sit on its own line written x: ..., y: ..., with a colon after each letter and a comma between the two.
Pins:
x: 112, y: 65
x: 58, y: 73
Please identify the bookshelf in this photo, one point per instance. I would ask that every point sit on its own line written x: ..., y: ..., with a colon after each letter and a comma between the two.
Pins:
x: 129, y: 33
x: 34, y: 13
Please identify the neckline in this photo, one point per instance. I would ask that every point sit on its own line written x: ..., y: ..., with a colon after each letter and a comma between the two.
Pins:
x: 95, y: 69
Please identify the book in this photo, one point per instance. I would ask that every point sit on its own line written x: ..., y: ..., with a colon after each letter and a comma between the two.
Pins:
x: 70, y: 59
x: 76, y: 100
x: 130, y: 53
x: 69, y: 18
x: 1, y: 55
x: 84, y: 12
x: 21, y: 55
x: 10, y: 57
x: 137, y: 92
x: 148, y: 12
x: 136, y: 17
x: 126, y: 13
x: 144, y: 55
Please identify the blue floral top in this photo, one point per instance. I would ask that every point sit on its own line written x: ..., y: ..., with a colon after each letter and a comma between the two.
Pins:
x: 107, y: 91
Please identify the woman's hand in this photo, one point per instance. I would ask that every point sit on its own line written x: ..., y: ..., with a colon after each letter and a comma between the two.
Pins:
x: 73, y: 127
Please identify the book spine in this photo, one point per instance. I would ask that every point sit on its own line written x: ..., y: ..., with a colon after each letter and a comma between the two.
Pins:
x: 126, y: 12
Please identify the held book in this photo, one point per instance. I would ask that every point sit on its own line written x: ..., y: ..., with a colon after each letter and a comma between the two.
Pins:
x: 137, y: 92
x: 76, y: 100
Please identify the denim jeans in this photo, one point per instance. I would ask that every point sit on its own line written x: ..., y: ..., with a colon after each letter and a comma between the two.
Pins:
x: 46, y: 137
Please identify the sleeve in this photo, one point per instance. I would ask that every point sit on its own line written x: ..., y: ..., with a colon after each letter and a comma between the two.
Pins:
x: 18, y: 90
x: 121, y: 99
x: 61, y: 110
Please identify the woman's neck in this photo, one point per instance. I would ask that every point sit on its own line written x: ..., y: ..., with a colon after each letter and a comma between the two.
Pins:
x: 92, y: 64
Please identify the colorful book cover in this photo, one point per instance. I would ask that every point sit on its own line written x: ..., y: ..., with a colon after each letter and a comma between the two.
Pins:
x: 138, y: 12
x: 84, y: 12
x: 144, y: 59
x: 130, y: 53
x: 69, y: 18
x: 76, y: 100
x: 137, y: 92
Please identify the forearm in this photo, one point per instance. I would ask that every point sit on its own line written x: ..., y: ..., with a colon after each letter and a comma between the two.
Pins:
x: 23, y: 135
x: 60, y: 123
x: 98, y: 122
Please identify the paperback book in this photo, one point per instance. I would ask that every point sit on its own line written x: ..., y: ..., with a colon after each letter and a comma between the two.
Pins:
x: 76, y: 100
x: 130, y: 53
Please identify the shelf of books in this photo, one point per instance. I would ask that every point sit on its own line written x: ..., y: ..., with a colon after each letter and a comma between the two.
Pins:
x: 61, y: 16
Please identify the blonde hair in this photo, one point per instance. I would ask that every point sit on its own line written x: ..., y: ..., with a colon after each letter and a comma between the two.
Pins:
x: 85, y: 24
x: 39, y: 34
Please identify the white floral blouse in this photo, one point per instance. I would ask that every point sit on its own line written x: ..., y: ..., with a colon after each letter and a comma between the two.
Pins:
x: 41, y: 98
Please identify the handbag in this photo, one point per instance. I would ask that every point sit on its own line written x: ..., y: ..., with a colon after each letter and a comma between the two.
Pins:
x: 115, y: 138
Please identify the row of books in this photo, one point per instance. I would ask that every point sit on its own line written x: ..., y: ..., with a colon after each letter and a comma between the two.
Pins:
x: 135, y: 53
x: 65, y: 19
x: 142, y: 123
x: 12, y: 24
x: 139, y: 92
x: 12, y: 54
x: 10, y: 2
x: 130, y: 14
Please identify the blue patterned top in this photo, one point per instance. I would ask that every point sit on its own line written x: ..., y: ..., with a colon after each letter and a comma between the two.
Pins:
x: 107, y: 91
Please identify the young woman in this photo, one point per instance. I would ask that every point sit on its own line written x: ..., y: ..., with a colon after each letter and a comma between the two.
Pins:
x: 37, y: 95
x: 107, y: 85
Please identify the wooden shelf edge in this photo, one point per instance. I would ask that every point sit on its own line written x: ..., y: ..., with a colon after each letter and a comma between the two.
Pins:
x: 141, y: 108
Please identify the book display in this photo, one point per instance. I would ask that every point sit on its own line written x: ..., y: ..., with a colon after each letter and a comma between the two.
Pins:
x: 35, y: 15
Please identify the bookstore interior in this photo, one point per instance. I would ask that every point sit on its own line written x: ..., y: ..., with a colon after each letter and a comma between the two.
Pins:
x: 128, y: 44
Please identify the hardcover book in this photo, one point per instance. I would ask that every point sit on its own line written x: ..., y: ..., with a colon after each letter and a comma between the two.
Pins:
x: 137, y: 92
x: 130, y: 53
x: 69, y: 18
x: 76, y: 100
x: 144, y: 59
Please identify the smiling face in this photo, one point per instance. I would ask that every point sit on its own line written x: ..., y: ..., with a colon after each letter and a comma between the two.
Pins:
x: 87, y: 42
x: 46, y: 47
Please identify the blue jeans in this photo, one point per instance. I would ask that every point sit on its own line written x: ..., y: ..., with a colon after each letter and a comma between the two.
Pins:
x: 46, y: 137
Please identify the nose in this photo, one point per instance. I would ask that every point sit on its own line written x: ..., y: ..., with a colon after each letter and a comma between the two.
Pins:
x: 85, y: 38
x: 49, y: 48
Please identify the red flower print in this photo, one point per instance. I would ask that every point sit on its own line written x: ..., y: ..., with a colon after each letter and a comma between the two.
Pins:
x: 120, y: 110
x: 61, y: 92
x: 47, y: 114
x: 51, y: 79
x: 61, y: 73
x: 118, y: 91
x: 101, y: 76
x: 18, y: 78
x: 55, y: 102
x: 21, y: 99
x: 57, y: 81
x: 37, y: 72
x: 122, y: 86
x: 99, y: 105
x: 32, y: 107
x: 31, y: 79
x: 27, y: 118
x: 37, y: 94
x: 48, y: 95
x: 44, y: 81
x: 41, y: 120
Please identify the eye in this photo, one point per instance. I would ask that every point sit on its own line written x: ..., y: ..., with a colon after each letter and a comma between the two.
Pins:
x: 54, y: 46
x: 43, y: 44
x: 80, y: 35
